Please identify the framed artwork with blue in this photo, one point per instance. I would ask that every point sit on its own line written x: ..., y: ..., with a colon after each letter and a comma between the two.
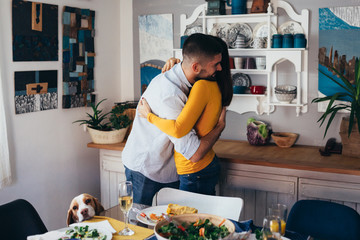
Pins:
x: 35, y: 91
x: 339, y: 31
x: 35, y: 31
x: 156, y: 44
x: 78, y: 57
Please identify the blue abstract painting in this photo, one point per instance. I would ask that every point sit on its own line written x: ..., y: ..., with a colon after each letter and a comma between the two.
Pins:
x: 339, y: 31
x: 156, y: 45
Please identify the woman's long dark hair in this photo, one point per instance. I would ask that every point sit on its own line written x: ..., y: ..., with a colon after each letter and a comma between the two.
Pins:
x: 223, y: 78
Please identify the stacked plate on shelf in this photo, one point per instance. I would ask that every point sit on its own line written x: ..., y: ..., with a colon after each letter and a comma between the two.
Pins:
x: 241, y: 83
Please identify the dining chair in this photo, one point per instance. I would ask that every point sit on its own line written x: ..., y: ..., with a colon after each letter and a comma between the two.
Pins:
x: 324, y: 220
x: 19, y: 219
x: 227, y: 207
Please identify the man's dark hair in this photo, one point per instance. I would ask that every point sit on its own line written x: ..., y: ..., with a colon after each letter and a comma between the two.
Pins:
x: 201, y: 46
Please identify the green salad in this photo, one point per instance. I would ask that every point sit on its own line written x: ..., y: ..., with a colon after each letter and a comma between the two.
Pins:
x: 202, y: 229
x: 84, y: 233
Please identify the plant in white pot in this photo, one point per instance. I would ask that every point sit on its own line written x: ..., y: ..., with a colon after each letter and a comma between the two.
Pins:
x: 349, y: 98
x: 101, y: 130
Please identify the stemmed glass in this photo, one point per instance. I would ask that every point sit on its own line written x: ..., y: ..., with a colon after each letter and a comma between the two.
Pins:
x: 126, y: 202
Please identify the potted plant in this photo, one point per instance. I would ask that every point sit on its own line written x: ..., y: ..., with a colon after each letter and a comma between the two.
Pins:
x: 349, y: 98
x: 103, y: 130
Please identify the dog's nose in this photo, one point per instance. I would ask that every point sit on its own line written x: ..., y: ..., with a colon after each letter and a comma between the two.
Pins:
x: 84, y: 212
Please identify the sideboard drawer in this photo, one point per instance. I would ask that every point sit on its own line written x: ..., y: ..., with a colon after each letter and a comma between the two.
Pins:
x: 336, y: 191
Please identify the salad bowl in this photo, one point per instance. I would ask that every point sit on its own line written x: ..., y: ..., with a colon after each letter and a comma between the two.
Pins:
x: 187, y: 219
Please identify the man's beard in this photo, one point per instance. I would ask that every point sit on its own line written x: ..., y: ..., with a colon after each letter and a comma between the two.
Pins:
x: 210, y: 78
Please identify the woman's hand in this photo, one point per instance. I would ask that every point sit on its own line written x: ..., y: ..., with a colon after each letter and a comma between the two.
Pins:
x: 169, y: 64
x: 143, y: 108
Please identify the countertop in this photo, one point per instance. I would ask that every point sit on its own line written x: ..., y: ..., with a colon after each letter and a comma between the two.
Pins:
x: 296, y: 157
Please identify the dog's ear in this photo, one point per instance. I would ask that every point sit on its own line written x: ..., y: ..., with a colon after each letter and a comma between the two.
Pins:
x: 98, y: 207
x: 70, y: 218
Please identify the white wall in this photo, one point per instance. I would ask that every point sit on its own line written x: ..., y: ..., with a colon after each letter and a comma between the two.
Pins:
x: 49, y: 158
x: 283, y: 119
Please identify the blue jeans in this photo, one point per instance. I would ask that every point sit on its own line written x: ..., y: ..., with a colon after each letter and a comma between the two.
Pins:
x: 204, y: 181
x: 144, y: 188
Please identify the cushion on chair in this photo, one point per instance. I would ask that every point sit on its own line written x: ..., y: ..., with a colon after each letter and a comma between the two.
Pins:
x: 324, y: 220
x: 19, y: 219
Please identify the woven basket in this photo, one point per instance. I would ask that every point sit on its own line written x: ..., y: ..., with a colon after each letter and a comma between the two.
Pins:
x: 107, y: 137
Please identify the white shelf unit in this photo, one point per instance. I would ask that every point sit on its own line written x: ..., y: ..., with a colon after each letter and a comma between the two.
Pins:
x: 267, y: 103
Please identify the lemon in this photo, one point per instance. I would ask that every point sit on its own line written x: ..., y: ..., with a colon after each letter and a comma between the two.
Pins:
x: 274, y: 226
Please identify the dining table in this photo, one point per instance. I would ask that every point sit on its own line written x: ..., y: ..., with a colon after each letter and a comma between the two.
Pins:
x: 240, y: 226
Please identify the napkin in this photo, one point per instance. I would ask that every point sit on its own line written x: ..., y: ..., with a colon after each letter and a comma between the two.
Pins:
x: 47, y: 236
x: 101, y: 225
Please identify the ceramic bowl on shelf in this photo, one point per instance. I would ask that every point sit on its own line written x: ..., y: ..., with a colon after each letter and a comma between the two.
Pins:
x: 285, y: 93
x: 284, y: 139
x: 285, y: 89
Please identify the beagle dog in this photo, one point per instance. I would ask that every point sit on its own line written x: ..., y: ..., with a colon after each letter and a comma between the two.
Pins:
x: 83, y: 207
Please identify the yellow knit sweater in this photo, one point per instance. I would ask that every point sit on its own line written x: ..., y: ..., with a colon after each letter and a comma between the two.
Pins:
x: 201, y: 112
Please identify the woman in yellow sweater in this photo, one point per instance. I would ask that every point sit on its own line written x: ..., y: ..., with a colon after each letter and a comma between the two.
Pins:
x: 201, y: 112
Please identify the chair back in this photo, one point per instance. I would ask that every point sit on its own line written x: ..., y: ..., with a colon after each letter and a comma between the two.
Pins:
x: 227, y: 207
x: 19, y: 219
x: 324, y: 220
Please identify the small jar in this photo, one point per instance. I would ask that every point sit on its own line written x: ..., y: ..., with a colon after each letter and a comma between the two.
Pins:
x: 277, y: 41
x: 299, y: 40
x: 288, y: 41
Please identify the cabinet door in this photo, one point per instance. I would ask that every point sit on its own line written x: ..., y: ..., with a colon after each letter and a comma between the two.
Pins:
x: 259, y: 191
x: 340, y: 192
x: 112, y: 172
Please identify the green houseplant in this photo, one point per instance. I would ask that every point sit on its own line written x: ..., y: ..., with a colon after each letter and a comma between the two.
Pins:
x: 104, y: 130
x: 350, y: 101
x: 352, y: 91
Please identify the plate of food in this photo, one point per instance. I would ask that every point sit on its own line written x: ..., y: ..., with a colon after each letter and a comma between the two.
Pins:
x: 261, y: 30
x: 86, y: 232
x: 153, y: 213
x: 290, y: 27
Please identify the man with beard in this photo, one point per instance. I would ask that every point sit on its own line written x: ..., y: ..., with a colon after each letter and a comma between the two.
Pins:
x: 148, y: 153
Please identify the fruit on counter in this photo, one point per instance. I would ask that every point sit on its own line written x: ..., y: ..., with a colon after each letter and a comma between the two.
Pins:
x: 178, y: 209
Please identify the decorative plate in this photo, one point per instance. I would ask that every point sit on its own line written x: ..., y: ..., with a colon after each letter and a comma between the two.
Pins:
x: 221, y: 30
x: 261, y: 30
x: 241, y: 79
x: 191, y: 29
x: 237, y: 29
x: 290, y: 27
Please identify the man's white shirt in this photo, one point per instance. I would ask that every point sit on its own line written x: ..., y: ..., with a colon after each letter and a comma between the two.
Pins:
x: 150, y: 151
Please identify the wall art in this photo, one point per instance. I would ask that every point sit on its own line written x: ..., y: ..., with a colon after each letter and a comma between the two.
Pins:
x: 35, y: 31
x: 35, y: 91
x: 78, y: 57
x: 156, y: 45
x: 339, y: 31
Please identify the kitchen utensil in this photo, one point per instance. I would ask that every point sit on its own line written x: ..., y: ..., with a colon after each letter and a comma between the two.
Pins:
x: 257, y: 89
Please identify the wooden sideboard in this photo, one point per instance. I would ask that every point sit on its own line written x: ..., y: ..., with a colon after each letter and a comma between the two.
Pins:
x: 261, y: 175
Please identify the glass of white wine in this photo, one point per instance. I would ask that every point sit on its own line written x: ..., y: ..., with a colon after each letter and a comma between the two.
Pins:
x: 126, y: 202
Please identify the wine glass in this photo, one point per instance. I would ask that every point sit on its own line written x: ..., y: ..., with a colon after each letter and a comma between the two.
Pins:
x: 126, y: 202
